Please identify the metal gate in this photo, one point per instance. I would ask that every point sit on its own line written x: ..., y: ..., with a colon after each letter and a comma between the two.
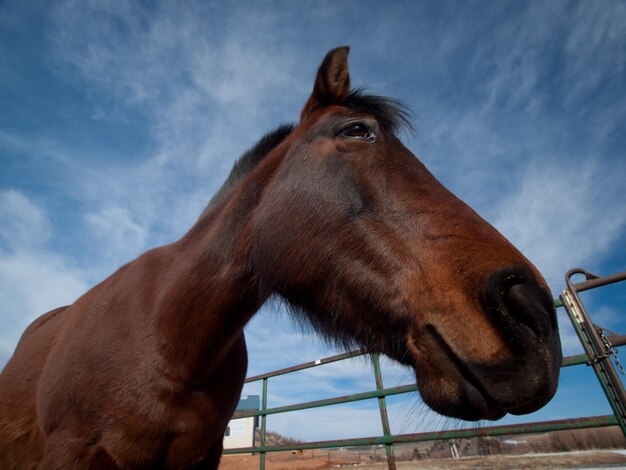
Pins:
x: 599, y: 345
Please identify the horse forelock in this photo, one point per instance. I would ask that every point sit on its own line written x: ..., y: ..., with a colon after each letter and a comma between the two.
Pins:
x: 391, y: 114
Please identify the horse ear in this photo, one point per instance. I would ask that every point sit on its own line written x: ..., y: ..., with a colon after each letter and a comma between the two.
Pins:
x: 332, y: 82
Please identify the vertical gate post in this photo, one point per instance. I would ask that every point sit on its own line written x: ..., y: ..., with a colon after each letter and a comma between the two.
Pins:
x: 597, y: 353
x: 382, y: 405
x: 263, y: 418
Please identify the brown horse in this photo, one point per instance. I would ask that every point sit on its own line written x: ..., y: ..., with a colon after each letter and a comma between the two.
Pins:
x: 338, y: 218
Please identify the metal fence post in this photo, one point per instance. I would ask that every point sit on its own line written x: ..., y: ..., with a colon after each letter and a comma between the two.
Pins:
x: 263, y: 418
x: 382, y: 405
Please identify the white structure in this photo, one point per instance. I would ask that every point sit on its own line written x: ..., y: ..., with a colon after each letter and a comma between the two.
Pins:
x: 240, y: 431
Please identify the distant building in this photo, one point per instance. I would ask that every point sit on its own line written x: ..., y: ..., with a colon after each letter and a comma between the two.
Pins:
x: 489, y: 446
x: 240, y: 431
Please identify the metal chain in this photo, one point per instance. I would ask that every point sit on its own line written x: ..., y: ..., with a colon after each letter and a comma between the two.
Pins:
x: 610, y: 351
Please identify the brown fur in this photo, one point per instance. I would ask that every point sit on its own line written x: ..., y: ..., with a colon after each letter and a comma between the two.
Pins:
x: 145, y: 369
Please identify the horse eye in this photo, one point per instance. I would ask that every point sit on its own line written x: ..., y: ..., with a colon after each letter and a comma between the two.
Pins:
x: 357, y: 130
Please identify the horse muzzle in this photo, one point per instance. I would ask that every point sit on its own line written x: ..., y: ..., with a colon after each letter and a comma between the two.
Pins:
x: 521, y: 379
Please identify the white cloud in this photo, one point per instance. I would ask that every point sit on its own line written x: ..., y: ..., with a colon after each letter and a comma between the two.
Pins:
x: 114, y: 228
x: 23, y: 223
x: 32, y: 279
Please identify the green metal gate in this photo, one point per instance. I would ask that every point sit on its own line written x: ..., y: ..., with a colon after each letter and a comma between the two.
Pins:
x: 599, y: 345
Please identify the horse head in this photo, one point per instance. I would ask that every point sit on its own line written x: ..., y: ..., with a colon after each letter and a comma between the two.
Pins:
x: 357, y: 235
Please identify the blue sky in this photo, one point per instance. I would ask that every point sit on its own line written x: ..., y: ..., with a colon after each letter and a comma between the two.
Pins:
x: 119, y: 122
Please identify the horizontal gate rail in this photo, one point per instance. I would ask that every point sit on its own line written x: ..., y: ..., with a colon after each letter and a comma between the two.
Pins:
x: 306, y: 365
x: 568, y: 361
x: 505, y: 430
x: 331, y: 401
x: 599, y: 353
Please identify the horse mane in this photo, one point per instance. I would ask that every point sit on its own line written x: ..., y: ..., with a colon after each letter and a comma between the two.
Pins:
x: 249, y: 160
x: 391, y: 114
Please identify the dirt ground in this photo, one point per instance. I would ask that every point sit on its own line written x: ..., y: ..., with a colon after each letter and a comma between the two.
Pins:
x: 307, y: 460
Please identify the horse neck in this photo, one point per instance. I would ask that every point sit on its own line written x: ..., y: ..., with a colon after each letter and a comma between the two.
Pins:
x: 210, y: 295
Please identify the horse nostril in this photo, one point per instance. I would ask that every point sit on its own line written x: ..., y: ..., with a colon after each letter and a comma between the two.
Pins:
x: 515, y: 296
x: 525, y: 303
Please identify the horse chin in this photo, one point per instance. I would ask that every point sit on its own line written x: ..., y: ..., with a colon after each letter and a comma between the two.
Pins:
x: 452, y: 388
x: 451, y: 394
x: 466, y: 402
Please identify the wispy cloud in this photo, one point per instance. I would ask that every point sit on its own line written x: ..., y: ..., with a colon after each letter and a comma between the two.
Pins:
x: 595, y: 48
x: 565, y: 216
x: 121, y: 235
x: 25, y: 225
x: 204, y: 98
x: 33, y: 280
